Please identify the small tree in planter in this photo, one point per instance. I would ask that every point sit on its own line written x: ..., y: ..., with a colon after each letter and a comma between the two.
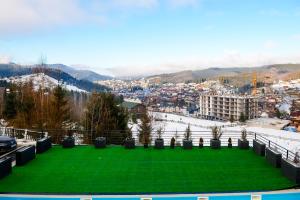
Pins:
x: 229, y: 143
x: 129, y: 142
x: 187, y: 142
x: 176, y: 137
x: 243, y: 143
x: 215, y: 142
x: 159, y: 142
x: 201, y: 143
x: 145, y: 129
x: 68, y: 141
x: 100, y: 142
x: 172, y: 145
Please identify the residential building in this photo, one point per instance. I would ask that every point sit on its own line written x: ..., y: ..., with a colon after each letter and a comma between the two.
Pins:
x: 134, y: 108
x: 226, y: 107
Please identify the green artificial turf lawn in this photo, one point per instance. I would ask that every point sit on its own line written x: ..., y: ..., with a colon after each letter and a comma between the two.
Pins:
x: 85, y: 169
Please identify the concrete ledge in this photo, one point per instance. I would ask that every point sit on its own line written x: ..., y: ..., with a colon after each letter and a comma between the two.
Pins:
x: 43, y: 145
x: 215, y: 144
x: 243, y: 144
x: 68, y: 142
x: 290, y: 170
x: 259, y: 148
x: 273, y: 157
x: 100, y: 142
x: 129, y: 143
x: 5, y: 167
x: 25, y: 155
x: 187, y: 144
x: 159, y: 144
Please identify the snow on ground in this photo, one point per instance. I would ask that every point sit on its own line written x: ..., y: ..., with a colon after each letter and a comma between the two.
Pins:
x: 187, y: 120
x: 172, y: 123
x: 170, y: 129
x: 286, y: 139
x: 41, y: 80
x: 285, y: 105
x: 292, y: 84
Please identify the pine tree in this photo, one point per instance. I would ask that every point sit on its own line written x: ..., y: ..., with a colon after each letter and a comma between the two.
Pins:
x: 59, y: 108
x: 26, y: 106
x: 105, y: 118
x: 176, y: 137
x: 188, y: 133
x: 10, y: 110
x: 145, y: 128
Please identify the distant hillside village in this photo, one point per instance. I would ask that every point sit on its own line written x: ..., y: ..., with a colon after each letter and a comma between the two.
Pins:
x: 216, y: 99
x: 275, y: 102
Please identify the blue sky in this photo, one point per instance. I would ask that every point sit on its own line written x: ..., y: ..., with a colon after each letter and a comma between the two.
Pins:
x: 134, y: 37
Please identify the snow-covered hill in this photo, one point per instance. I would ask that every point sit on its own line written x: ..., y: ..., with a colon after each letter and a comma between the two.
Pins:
x: 41, y: 80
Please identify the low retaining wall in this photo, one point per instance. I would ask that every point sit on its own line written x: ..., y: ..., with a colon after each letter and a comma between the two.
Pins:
x: 43, y: 145
x: 5, y: 167
x: 291, y: 170
x: 25, y: 155
x: 286, y: 195
x: 259, y: 147
x: 273, y: 157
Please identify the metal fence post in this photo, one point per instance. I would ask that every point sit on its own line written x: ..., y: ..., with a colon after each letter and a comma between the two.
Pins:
x: 287, y: 154
x: 25, y: 134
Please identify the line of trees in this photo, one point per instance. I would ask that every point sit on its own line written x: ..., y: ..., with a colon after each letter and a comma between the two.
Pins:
x: 105, y: 117
x: 25, y: 107
x: 58, y: 110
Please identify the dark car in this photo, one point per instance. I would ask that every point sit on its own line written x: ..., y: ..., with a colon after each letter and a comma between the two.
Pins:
x: 7, y: 144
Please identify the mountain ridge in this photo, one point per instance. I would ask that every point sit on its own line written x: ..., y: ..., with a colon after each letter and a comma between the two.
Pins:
x: 274, y: 71
x: 81, y: 74
x: 12, y: 70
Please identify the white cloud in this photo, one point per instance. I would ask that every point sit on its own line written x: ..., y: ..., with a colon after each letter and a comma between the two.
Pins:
x: 270, y: 44
x: 81, y: 66
x: 4, y: 59
x: 229, y: 58
x: 23, y: 16
x: 19, y: 16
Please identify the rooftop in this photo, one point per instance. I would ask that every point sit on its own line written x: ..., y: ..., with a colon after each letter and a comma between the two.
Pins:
x: 236, y: 96
x: 116, y: 170
x: 129, y: 105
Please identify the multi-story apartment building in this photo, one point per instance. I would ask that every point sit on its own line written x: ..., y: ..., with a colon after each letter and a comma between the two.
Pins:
x: 225, y: 107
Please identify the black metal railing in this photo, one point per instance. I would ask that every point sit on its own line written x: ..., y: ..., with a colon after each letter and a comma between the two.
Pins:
x: 25, y: 134
x: 118, y: 137
x: 286, y: 154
